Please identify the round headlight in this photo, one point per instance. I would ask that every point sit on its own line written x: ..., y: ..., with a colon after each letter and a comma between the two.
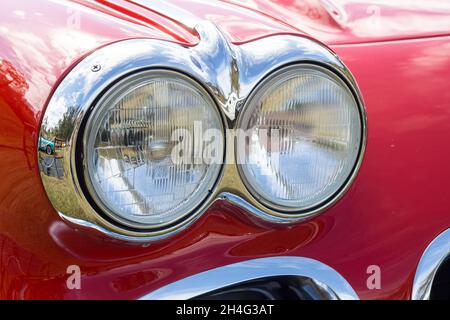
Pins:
x: 304, y: 134
x: 139, y: 144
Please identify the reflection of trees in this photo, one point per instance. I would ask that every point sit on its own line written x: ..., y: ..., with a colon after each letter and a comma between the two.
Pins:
x: 16, y: 113
x: 44, y: 129
x: 9, y: 76
x: 65, y: 125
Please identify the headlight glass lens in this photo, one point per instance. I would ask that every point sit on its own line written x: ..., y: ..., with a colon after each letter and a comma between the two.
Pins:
x: 139, y: 149
x: 303, y: 129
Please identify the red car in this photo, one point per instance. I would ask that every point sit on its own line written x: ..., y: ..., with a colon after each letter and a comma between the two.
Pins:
x: 258, y: 149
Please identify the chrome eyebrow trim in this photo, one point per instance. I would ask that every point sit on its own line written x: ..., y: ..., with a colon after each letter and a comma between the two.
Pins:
x: 324, y: 276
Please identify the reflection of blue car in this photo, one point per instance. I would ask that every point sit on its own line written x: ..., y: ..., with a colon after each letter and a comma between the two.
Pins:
x: 46, y: 146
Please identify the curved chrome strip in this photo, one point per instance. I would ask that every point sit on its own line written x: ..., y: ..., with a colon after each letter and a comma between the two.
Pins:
x: 87, y: 225
x: 229, y: 73
x: 436, y: 252
x: 221, y: 277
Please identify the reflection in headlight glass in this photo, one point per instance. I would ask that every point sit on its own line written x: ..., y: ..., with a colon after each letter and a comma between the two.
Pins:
x: 130, y: 141
x: 317, y: 123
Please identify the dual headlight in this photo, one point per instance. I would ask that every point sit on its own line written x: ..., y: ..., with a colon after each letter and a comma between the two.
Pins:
x: 130, y: 137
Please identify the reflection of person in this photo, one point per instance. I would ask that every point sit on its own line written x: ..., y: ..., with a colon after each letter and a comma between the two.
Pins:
x: 46, y: 165
x: 48, y: 171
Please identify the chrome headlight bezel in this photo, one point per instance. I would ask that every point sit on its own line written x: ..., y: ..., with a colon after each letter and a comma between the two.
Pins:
x: 229, y: 74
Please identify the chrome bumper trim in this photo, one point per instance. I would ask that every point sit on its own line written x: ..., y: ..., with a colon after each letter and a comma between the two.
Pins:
x: 436, y: 252
x: 324, y: 276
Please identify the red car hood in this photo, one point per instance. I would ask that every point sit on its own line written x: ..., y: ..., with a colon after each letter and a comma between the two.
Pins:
x: 355, y: 21
x: 330, y: 21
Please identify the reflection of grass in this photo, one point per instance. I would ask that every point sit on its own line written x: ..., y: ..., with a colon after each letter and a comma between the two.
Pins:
x: 58, y: 153
x: 62, y: 197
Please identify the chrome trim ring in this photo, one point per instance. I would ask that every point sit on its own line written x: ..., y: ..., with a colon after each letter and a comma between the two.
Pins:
x: 228, y: 72
x: 432, y: 258
x: 324, y: 276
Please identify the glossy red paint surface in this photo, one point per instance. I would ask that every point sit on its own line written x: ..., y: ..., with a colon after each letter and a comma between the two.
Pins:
x: 396, y: 206
x: 356, y: 21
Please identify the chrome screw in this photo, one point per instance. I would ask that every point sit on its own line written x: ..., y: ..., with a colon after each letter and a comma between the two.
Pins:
x: 96, y: 68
